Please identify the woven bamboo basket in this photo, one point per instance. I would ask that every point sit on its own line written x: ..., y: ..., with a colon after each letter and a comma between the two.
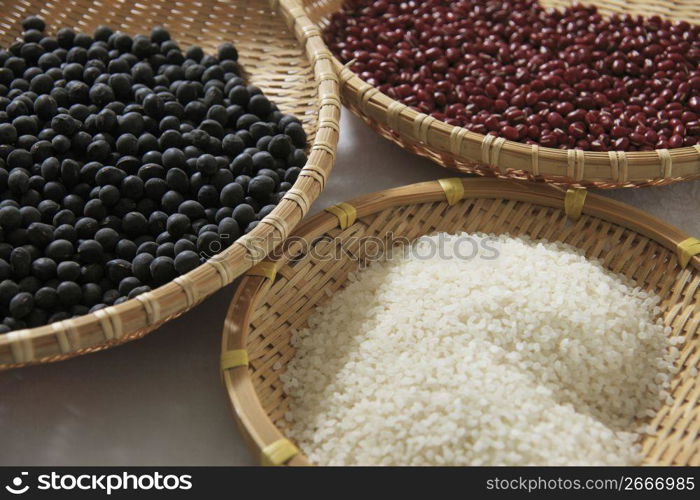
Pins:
x: 464, y: 151
x: 287, y: 287
x: 281, y: 53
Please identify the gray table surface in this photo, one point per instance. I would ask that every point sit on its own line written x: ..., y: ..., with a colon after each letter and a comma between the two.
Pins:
x: 159, y: 400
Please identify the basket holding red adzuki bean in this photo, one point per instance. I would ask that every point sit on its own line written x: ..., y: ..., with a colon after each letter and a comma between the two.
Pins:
x: 569, y: 78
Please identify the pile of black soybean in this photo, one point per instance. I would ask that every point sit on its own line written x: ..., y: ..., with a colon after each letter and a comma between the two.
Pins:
x: 125, y: 162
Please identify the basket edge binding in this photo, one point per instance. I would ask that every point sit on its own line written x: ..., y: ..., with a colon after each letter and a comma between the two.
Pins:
x: 135, y: 318
x: 256, y: 426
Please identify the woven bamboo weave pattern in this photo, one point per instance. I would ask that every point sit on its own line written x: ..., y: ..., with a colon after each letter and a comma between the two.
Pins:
x: 319, y: 258
x: 282, y: 54
x: 459, y: 149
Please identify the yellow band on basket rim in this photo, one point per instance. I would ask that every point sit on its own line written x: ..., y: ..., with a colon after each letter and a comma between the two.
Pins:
x: 265, y: 269
x: 453, y: 188
x: 278, y: 453
x: 573, y: 202
x: 687, y: 249
x: 346, y: 214
x: 234, y: 358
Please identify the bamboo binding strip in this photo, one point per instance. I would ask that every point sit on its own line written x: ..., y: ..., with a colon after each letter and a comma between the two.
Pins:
x: 320, y: 255
x: 282, y: 54
x: 458, y: 149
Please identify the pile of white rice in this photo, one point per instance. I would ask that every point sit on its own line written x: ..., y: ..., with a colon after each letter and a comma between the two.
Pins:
x: 536, y: 357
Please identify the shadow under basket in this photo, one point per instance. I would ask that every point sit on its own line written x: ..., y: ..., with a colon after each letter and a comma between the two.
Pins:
x: 280, y: 52
x: 283, y: 291
x: 464, y: 151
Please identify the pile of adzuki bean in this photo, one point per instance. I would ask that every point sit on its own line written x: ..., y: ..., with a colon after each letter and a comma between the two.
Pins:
x: 563, y: 79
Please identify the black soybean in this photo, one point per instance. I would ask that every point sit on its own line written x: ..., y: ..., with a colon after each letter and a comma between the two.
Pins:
x: 69, y: 293
x: 186, y: 261
x: 162, y: 270
x: 21, y: 305
x: 68, y: 271
x: 46, y: 297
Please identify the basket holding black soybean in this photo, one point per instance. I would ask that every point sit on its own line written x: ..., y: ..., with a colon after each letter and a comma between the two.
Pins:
x: 124, y: 162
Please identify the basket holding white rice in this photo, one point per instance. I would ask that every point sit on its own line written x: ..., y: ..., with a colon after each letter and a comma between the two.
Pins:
x: 535, y: 357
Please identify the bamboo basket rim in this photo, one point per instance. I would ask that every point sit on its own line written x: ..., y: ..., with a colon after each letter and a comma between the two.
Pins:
x: 151, y: 309
x: 460, y: 149
x: 258, y: 430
